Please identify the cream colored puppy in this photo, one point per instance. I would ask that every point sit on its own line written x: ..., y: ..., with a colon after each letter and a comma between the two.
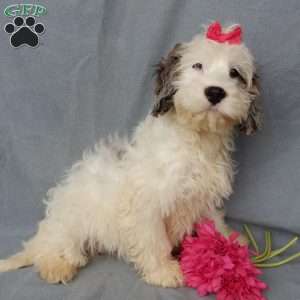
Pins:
x: 137, y: 198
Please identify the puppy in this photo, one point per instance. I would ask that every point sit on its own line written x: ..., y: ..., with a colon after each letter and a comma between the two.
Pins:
x: 137, y: 198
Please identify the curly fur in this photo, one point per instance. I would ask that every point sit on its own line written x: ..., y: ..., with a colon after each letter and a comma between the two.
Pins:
x: 137, y: 197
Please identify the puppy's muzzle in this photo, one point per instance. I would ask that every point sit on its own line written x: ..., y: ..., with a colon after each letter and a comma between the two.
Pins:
x: 214, y: 94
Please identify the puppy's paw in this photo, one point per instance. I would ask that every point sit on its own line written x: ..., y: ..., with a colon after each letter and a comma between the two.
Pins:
x: 168, y: 275
x: 56, y: 270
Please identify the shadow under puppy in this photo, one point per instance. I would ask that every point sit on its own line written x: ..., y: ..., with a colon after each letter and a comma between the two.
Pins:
x: 137, y: 198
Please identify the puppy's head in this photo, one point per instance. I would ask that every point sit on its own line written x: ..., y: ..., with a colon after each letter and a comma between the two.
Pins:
x: 210, y: 83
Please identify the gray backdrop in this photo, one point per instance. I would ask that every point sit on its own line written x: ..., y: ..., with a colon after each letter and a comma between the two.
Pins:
x: 91, y: 75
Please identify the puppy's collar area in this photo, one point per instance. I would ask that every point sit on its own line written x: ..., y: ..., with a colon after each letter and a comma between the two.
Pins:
x: 214, y: 32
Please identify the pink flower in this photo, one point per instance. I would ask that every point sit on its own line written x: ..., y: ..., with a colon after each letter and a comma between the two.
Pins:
x: 212, y: 263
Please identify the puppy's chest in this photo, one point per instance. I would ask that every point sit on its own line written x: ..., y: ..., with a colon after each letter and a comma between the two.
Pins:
x: 207, y: 174
x: 205, y: 182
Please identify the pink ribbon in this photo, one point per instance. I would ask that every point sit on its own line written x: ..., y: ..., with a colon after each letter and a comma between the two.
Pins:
x: 214, y: 32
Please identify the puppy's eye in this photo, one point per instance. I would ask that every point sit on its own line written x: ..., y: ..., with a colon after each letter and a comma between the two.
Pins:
x: 234, y: 73
x: 197, y: 66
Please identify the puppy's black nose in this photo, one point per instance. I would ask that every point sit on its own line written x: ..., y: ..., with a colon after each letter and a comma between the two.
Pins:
x: 214, y: 94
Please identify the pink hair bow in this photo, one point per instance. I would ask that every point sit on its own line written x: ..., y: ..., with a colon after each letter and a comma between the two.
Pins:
x: 214, y: 32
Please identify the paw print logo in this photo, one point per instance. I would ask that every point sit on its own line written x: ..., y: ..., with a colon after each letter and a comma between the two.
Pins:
x: 24, y: 31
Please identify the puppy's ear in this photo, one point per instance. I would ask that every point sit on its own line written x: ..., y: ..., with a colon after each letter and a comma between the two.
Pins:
x: 166, y: 73
x: 254, y: 119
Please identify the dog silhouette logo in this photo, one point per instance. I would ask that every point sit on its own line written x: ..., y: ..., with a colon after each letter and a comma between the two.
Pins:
x: 24, y: 28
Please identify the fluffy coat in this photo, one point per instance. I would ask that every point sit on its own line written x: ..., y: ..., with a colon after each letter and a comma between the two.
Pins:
x: 137, y: 197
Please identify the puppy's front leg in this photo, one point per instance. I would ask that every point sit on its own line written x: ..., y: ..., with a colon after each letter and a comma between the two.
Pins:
x: 149, y: 248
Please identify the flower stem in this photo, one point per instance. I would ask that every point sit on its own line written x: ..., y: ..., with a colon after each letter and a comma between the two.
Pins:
x: 268, y: 248
x: 284, y: 248
x: 278, y: 251
x: 279, y: 263
x: 268, y: 253
x: 251, y: 238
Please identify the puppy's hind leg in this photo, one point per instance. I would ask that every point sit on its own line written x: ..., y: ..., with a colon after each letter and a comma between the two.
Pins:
x: 57, y: 261
x: 55, y: 269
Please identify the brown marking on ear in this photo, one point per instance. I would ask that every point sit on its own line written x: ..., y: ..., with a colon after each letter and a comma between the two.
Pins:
x: 166, y: 73
x: 163, y: 105
x: 253, y: 122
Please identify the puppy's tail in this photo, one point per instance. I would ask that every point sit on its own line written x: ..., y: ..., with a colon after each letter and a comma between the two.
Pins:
x: 17, y: 261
